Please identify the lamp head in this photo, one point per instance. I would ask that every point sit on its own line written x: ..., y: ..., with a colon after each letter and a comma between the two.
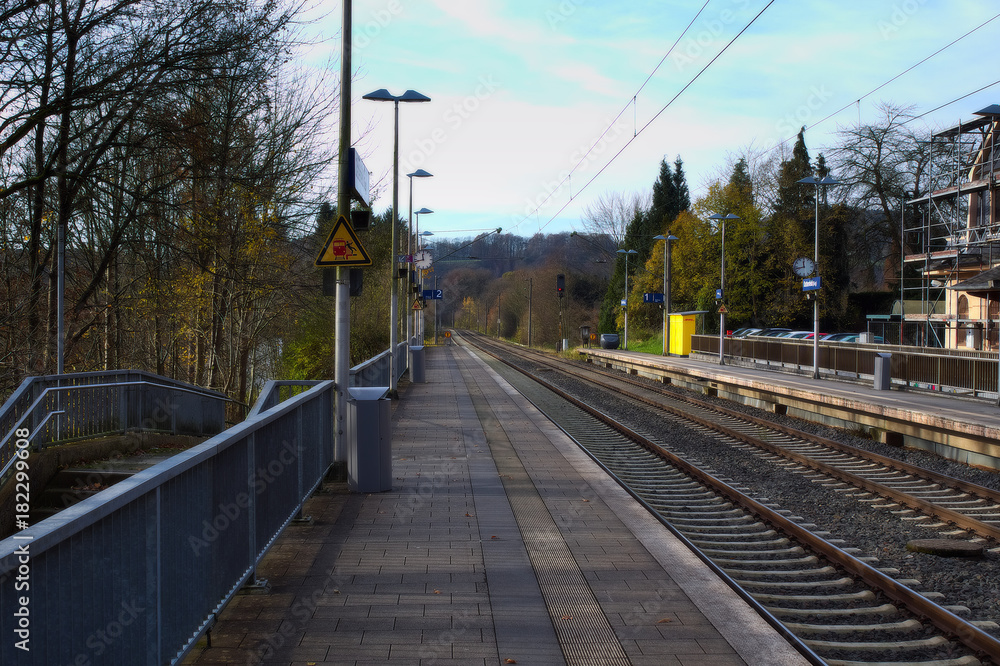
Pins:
x: 380, y: 95
x: 413, y: 96
x: 419, y: 173
x: 423, y: 211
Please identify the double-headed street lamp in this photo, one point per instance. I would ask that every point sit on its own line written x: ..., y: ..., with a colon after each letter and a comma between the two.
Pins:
x: 419, y: 173
x: 722, y: 286
x: 823, y: 182
x: 383, y: 95
x: 666, y: 287
x: 625, y: 300
x: 421, y: 237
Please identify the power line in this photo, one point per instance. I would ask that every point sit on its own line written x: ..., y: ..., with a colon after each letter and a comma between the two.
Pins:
x: 631, y: 102
x: 659, y: 113
x: 905, y: 71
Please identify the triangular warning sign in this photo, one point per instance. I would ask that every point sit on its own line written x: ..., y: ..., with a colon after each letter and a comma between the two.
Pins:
x: 722, y: 309
x: 418, y: 305
x: 342, y: 247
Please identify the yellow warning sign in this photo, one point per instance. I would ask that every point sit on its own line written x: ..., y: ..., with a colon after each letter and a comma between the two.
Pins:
x: 418, y: 305
x: 343, y: 248
x: 722, y: 309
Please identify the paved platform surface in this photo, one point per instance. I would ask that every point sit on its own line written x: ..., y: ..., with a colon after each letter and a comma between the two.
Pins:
x: 499, y: 543
x: 948, y: 412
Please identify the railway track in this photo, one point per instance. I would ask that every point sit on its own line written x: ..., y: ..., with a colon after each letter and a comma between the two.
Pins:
x: 833, y: 604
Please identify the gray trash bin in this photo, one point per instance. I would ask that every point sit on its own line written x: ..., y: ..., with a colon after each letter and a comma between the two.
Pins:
x: 369, y: 432
x: 609, y: 341
x: 417, y: 364
x: 883, y: 371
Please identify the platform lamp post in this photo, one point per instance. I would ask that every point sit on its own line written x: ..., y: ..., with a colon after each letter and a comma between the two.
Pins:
x: 666, y: 287
x: 823, y: 182
x: 383, y: 95
x: 421, y: 321
x: 419, y: 173
x: 625, y: 300
x: 722, y: 285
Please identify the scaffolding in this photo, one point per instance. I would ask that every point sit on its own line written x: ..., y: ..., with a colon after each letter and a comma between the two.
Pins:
x: 950, y: 240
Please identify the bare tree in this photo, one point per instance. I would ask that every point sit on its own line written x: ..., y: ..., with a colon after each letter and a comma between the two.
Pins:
x: 612, y: 212
x: 879, y: 166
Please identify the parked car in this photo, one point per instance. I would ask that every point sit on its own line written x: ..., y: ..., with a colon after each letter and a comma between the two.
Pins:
x: 744, y: 332
x: 772, y: 332
x: 796, y: 335
x: 835, y: 337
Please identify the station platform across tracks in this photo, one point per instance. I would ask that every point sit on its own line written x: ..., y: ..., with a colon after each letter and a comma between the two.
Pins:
x: 499, y: 543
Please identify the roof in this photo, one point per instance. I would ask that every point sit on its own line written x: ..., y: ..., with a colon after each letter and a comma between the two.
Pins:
x: 987, y: 281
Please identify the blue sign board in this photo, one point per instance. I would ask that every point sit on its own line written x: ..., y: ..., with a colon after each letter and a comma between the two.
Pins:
x: 810, y: 284
x: 652, y: 298
x: 718, y: 294
x: 433, y: 294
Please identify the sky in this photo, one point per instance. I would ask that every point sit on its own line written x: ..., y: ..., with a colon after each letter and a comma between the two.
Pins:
x: 539, y: 107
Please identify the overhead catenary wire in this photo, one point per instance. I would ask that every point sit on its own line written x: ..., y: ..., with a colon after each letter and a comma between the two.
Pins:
x: 779, y: 144
x: 658, y: 114
x: 632, y: 102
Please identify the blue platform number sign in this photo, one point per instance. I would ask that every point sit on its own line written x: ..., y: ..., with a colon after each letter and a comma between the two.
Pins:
x: 433, y: 294
x: 718, y: 294
x: 811, y: 284
x: 652, y: 298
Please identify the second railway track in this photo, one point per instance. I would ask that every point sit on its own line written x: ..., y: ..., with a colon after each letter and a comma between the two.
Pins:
x: 831, y: 597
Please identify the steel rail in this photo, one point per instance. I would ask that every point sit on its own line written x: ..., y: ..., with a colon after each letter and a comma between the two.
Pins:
x: 949, y: 515
x: 943, y: 619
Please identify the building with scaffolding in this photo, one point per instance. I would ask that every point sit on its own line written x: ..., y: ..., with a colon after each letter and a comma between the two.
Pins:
x: 950, y: 285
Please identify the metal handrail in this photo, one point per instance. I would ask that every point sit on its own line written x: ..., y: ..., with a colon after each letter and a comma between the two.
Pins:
x: 7, y: 452
x: 162, y: 552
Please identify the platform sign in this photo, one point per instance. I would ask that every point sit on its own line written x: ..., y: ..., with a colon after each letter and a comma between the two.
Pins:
x: 718, y: 294
x: 359, y: 178
x: 342, y: 247
x: 433, y: 294
x: 652, y: 298
x: 811, y: 284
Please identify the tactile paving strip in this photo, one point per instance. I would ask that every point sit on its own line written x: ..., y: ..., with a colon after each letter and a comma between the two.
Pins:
x: 582, y: 629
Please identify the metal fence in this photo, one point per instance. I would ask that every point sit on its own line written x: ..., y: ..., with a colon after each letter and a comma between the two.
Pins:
x: 54, y: 409
x: 961, y: 370
x: 375, y: 371
x: 136, y: 574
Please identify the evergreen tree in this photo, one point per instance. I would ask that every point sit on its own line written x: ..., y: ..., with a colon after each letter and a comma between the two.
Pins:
x: 790, y: 235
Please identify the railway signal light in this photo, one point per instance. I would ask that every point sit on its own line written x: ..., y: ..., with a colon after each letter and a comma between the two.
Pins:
x: 560, y: 284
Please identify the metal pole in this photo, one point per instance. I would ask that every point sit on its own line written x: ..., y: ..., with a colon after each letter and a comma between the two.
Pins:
x: 409, y: 278
x: 666, y: 295
x: 816, y: 293
x: 529, y: 313
x: 435, y: 310
x: 60, y: 297
x: 393, y: 264
x: 343, y: 322
x: 666, y: 333
x: 625, y: 302
x: 722, y: 301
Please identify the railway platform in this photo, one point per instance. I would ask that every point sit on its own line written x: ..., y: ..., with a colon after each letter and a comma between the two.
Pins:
x: 499, y: 543
x: 955, y: 426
